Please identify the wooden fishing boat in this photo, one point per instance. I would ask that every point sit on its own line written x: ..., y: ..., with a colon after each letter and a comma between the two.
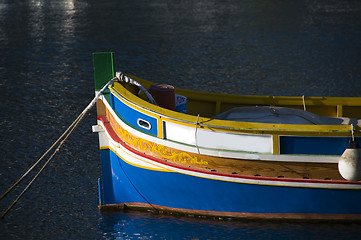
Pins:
x: 174, y: 150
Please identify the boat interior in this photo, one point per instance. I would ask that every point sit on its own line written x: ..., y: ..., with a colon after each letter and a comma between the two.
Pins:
x: 266, y: 109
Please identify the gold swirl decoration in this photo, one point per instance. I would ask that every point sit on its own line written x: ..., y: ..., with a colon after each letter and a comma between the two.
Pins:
x: 164, y: 152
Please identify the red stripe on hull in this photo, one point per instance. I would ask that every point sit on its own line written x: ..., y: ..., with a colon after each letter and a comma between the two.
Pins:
x: 114, y: 136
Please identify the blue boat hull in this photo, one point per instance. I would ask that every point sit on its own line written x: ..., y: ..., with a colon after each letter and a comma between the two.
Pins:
x: 124, y: 183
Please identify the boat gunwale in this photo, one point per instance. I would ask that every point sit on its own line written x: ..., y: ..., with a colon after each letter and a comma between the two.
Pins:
x: 227, y: 125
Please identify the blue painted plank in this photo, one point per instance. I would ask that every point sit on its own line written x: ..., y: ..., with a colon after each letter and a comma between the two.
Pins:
x: 131, y: 116
x: 313, y: 145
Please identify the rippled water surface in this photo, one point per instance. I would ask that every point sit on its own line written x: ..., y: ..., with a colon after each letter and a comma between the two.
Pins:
x: 268, y: 47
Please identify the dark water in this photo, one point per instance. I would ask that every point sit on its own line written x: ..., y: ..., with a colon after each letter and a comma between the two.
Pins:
x: 241, y: 47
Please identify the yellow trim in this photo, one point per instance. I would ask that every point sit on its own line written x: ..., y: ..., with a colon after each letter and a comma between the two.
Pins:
x: 246, y: 127
x: 160, y: 169
x: 243, y: 127
x: 276, y: 149
x: 339, y: 111
x: 160, y: 127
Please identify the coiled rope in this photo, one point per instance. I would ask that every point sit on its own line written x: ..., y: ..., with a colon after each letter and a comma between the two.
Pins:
x: 62, y: 139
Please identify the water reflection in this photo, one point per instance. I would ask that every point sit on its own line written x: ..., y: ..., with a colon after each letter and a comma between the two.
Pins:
x: 36, y: 20
x: 331, y: 12
x: 152, y: 226
x: 68, y: 20
x: 243, y: 47
x: 58, y: 16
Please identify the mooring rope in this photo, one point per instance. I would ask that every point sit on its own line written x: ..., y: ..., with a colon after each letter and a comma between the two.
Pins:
x: 64, y: 136
x: 122, y: 77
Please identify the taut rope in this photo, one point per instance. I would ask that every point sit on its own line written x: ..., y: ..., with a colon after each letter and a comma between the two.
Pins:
x: 62, y: 138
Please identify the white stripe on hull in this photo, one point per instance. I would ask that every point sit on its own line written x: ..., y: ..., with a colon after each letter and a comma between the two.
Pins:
x: 147, y: 163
